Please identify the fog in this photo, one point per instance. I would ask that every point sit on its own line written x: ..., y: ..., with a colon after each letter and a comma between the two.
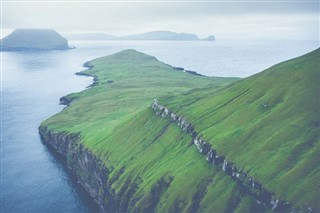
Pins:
x: 241, y: 19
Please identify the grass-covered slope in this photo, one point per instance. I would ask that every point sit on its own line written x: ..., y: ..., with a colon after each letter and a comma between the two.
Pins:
x: 125, y: 84
x: 267, y: 124
x: 153, y: 165
x: 163, y: 172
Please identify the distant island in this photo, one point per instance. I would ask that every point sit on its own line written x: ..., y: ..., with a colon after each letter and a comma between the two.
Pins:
x: 33, y: 40
x: 153, y: 35
x: 209, y: 38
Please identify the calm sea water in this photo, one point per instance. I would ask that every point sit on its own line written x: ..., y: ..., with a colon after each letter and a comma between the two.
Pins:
x: 32, y: 178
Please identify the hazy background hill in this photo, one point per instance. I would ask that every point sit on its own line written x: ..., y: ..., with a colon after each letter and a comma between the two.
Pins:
x: 153, y: 35
x: 91, y: 36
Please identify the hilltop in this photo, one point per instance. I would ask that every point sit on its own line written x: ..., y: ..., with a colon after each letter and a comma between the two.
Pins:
x: 33, y: 39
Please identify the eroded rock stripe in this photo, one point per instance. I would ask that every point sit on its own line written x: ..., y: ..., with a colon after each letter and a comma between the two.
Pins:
x: 244, y: 180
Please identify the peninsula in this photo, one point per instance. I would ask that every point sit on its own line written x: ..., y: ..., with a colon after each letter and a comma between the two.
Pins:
x: 34, y: 40
x: 146, y: 137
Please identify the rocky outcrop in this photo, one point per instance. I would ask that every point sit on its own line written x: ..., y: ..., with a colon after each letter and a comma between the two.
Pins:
x: 247, y: 183
x: 95, y: 177
x: 187, y: 71
x: 66, y: 100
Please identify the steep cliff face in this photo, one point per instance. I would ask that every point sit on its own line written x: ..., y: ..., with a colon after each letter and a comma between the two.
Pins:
x: 100, y: 181
x: 89, y: 170
x: 33, y: 39
x: 186, y: 187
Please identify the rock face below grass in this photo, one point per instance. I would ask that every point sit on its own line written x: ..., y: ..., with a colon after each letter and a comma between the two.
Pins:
x: 34, y: 40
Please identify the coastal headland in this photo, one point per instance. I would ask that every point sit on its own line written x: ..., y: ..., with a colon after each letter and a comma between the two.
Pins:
x: 148, y: 137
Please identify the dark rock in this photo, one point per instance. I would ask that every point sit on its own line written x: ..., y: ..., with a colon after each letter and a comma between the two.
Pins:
x: 178, y: 68
x: 89, y: 170
x: 193, y: 73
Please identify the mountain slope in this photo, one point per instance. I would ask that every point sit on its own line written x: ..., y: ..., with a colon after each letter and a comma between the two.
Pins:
x: 267, y: 124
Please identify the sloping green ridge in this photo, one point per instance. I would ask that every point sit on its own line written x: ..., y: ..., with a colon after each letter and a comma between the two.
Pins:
x: 154, y: 165
x: 125, y: 84
x: 267, y: 124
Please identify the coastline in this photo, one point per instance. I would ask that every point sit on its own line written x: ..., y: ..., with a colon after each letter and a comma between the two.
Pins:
x: 101, y: 176
x: 79, y: 160
x: 68, y: 147
x: 90, y: 171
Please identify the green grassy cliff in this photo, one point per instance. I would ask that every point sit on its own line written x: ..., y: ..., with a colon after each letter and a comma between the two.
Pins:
x: 267, y: 124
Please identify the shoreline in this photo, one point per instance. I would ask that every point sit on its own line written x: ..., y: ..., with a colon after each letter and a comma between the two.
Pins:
x: 65, y: 100
x: 78, y: 157
x: 62, y: 156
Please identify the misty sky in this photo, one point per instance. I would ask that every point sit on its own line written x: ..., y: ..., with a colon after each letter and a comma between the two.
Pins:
x: 252, y: 19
